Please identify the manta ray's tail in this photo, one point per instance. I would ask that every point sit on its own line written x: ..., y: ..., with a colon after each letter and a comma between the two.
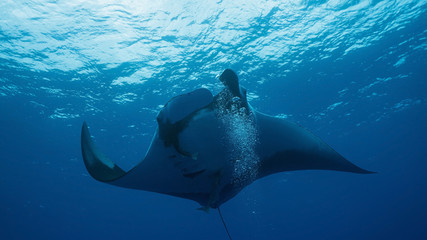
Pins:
x: 223, y: 222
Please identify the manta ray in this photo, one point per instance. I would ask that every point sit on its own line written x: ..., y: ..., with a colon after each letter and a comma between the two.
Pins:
x: 208, y: 148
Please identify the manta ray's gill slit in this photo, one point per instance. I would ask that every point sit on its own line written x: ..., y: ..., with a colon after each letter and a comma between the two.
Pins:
x: 242, y: 136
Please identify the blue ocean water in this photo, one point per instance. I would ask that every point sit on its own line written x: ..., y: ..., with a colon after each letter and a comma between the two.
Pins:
x: 353, y: 72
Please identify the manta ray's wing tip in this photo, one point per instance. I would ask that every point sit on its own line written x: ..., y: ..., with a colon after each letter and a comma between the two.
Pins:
x: 357, y: 169
x: 97, y: 164
x: 368, y: 172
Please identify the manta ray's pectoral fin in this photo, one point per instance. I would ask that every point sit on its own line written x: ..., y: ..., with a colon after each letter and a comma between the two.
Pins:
x: 286, y: 146
x: 98, y: 165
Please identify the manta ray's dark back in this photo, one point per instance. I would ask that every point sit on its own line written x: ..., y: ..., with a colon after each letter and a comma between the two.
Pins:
x: 196, y: 152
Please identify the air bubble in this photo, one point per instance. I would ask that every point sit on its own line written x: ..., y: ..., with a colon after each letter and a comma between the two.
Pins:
x: 242, y: 136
